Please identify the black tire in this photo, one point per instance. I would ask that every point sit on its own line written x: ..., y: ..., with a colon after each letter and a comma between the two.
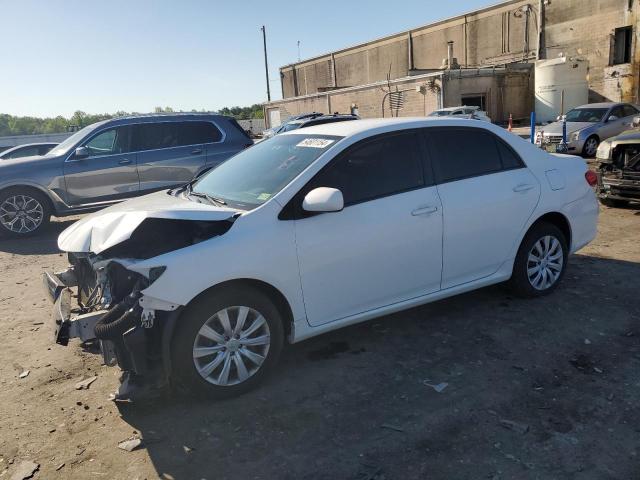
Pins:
x: 184, y: 372
x: 30, y: 193
x: 519, y: 282
x: 614, y: 202
x: 585, y: 152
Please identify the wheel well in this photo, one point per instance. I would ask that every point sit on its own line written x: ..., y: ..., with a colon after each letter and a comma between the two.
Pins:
x: 29, y: 188
x: 272, y: 292
x: 594, y: 135
x: 560, y: 221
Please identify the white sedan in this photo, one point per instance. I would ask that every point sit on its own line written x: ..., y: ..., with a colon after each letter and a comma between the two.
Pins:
x: 312, y: 231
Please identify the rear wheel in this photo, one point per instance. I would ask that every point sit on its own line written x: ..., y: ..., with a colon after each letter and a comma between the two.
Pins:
x: 227, y: 342
x: 23, y: 212
x: 541, y: 261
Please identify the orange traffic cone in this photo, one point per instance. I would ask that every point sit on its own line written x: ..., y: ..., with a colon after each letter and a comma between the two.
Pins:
x: 510, y: 128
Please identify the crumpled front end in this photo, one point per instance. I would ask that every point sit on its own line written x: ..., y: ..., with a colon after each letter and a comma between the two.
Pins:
x: 619, y: 171
x: 100, y: 299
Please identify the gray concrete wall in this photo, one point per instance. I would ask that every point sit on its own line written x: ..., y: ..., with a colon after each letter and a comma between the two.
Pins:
x: 490, y: 36
x: 506, y: 90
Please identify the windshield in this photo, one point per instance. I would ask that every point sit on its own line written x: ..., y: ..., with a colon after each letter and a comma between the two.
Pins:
x: 586, y: 115
x: 291, y: 126
x: 254, y: 175
x: 65, y: 146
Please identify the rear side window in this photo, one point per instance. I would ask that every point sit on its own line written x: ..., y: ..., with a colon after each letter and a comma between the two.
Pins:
x: 194, y: 133
x: 459, y: 153
x: 153, y: 136
x: 237, y: 126
x: 375, y: 168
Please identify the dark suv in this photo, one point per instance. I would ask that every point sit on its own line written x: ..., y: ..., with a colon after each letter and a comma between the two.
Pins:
x: 111, y: 161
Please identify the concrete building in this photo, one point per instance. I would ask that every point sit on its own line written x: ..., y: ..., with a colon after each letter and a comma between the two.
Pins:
x: 481, y: 58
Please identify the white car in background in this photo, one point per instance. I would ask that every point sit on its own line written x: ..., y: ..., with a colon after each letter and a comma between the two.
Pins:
x: 472, y: 112
x: 311, y: 231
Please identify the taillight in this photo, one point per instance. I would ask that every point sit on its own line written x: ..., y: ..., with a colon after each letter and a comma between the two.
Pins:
x: 591, y: 178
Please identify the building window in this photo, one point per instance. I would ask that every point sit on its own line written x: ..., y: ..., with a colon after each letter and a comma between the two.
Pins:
x: 621, y: 48
x: 475, y: 101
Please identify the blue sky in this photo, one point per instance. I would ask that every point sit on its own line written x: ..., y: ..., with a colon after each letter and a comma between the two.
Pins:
x: 58, y: 56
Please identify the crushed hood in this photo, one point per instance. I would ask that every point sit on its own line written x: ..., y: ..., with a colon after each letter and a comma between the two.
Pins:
x: 555, y: 128
x: 104, y: 229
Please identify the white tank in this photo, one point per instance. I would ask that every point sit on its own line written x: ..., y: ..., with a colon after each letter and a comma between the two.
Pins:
x: 551, y: 78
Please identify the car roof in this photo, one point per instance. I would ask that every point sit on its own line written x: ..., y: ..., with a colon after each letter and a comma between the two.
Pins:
x: 345, y: 129
x: 35, y: 144
x: 451, y: 109
x: 600, y: 105
x: 162, y: 117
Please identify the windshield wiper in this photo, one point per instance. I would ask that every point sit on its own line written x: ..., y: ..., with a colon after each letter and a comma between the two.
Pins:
x: 207, y: 197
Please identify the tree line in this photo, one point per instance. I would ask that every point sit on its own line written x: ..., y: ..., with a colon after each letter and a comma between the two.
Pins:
x: 13, y: 125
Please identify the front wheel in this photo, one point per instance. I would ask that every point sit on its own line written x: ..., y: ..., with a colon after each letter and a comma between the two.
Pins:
x: 590, y: 147
x: 541, y: 261
x: 23, y: 212
x: 227, y: 342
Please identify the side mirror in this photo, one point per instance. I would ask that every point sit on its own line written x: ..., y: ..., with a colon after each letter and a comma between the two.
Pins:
x: 81, y: 152
x: 612, y: 118
x: 323, y: 199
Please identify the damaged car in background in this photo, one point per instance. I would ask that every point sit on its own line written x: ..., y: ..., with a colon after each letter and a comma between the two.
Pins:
x: 619, y: 168
x: 200, y: 286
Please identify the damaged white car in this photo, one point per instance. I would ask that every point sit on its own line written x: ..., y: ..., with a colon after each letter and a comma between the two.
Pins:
x: 202, y: 285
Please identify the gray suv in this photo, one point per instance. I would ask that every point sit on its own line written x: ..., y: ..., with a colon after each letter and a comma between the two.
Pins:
x: 110, y: 161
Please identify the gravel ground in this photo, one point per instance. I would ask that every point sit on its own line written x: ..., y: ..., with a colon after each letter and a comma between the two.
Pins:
x: 535, y: 389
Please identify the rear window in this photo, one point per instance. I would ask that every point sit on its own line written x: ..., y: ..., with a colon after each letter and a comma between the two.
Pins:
x: 238, y: 127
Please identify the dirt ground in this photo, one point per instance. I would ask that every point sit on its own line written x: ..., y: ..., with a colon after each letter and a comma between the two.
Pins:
x: 537, y: 389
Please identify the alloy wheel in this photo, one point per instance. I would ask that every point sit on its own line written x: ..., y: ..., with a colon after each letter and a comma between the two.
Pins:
x: 591, y: 147
x: 545, y: 262
x: 21, y: 214
x: 231, y: 346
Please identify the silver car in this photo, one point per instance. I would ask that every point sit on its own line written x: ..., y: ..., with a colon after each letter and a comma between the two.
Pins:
x: 587, y: 126
x: 111, y: 161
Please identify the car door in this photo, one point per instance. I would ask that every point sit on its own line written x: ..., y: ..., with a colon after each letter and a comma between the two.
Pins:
x: 487, y: 196
x: 385, y: 246
x: 108, y: 173
x: 611, y: 128
x: 168, y: 153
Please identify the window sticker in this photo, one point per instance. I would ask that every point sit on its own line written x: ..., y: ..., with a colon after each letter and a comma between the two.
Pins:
x: 315, y: 143
x: 264, y: 196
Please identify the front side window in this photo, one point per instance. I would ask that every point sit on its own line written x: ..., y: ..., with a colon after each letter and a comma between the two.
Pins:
x: 459, y: 153
x: 256, y: 174
x: 375, y: 168
x: 592, y: 115
x: 617, y: 112
x: 109, y: 142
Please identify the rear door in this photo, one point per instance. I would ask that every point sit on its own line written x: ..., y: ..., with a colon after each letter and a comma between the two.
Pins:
x: 109, y: 172
x: 487, y: 196
x: 170, y: 153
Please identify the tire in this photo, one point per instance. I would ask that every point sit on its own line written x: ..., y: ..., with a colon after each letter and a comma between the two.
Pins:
x: 553, y: 268
x: 614, y: 202
x: 192, y: 333
x: 590, y: 146
x: 33, y: 208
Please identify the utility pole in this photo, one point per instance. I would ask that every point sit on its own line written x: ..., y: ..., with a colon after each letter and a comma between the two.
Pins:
x: 266, y: 64
x: 298, y: 50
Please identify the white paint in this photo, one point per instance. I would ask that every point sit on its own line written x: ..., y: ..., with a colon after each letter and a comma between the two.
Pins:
x: 370, y: 259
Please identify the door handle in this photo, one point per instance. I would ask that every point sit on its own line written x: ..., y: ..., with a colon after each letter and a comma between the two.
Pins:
x: 424, y: 210
x: 523, y: 187
x: 124, y: 161
x: 196, y: 151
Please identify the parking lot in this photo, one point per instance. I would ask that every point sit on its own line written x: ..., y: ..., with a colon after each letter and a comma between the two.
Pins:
x: 478, y: 386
